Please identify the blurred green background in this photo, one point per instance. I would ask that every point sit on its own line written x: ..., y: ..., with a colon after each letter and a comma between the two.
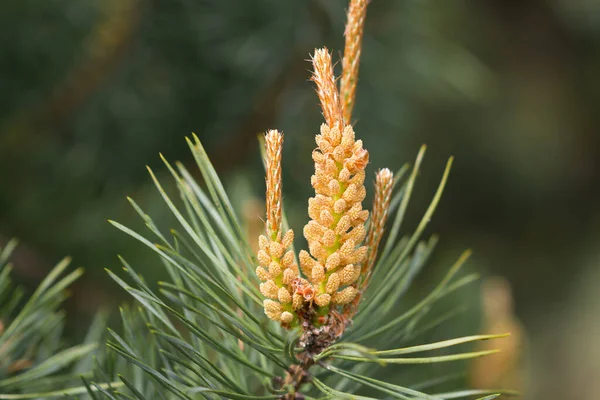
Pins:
x: 91, y: 91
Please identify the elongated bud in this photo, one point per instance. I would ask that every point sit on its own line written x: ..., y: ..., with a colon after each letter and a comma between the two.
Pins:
x: 327, y: 91
x: 345, y: 296
x: 333, y: 283
x: 352, y: 50
x: 272, y: 309
x: 323, y: 300
x: 284, y: 296
x: 273, y: 147
x: 384, y: 182
x: 286, y: 317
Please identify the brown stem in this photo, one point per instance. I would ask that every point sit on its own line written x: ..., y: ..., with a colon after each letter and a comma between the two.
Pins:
x: 314, y: 340
x: 297, y: 375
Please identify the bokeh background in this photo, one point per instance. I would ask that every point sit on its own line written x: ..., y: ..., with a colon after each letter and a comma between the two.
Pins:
x: 91, y: 91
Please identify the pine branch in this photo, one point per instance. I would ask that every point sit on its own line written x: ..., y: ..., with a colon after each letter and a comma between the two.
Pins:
x: 33, y: 358
x: 215, y: 330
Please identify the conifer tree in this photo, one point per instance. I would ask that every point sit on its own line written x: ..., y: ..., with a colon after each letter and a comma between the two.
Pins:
x: 280, y: 323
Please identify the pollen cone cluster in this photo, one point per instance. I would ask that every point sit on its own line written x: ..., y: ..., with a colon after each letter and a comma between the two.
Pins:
x: 337, y: 226
x: 277, y: 268
x: 337, y: 264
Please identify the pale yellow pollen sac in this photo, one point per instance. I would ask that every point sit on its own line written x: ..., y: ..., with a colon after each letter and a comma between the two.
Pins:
x: 272, y: 309
x: 263, y: 242
x: 313, y: 231
x: 357, y: 234
x: 288, y: 239
x: 358, y: 178
x: 333, y: 261
x: 325, y: 130
x: 329, y: 238
x: 354, y: 211
x: 289, y: 274
x: 314, y: 182
x: 350, y: 164
x: 340, y: 206
x: 324, y: 145
x: 363, y: 216
x: 276, y: 249
x: 263, y: 258
x: 306, y: 262
x: 333, y: 283
x: 345, y: 296
x: 347, y: 161
x: 350, y: 193
x: 269, y: 289
x: 314, y: 210
x: 347, y: 248
x: 315, y: 247
x: 284, y: 296
x: 357, y: 148
x: 317, y: 250
x: 330, y: 168
x: 317, y: 273
x: 325, y: 218
x: 274, y: 268
x: 344, y: 175
x: 361, y: 194
x: 323, y: 201
x: 339, y: 154
x: 335, y: 135
x: 319, y: 185
x: 297, y: 301
x: 286, y: 317
x: 348, y: 131
x: 334, y: 187
x: 323, y: 300
x: 327, y: 133
x: 343, y: 225
x: 360, y: 234
x: 288, y: 259
x: 357, y: 256
x: 318, y: 157
x: 349, y: 274
x: 262, y: 274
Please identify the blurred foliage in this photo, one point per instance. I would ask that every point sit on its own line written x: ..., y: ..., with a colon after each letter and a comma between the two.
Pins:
x: 34, y: 357
x: 92, y: 91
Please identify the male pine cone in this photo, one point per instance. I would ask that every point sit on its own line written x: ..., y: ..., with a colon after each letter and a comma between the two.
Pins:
x: 337, y: 226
